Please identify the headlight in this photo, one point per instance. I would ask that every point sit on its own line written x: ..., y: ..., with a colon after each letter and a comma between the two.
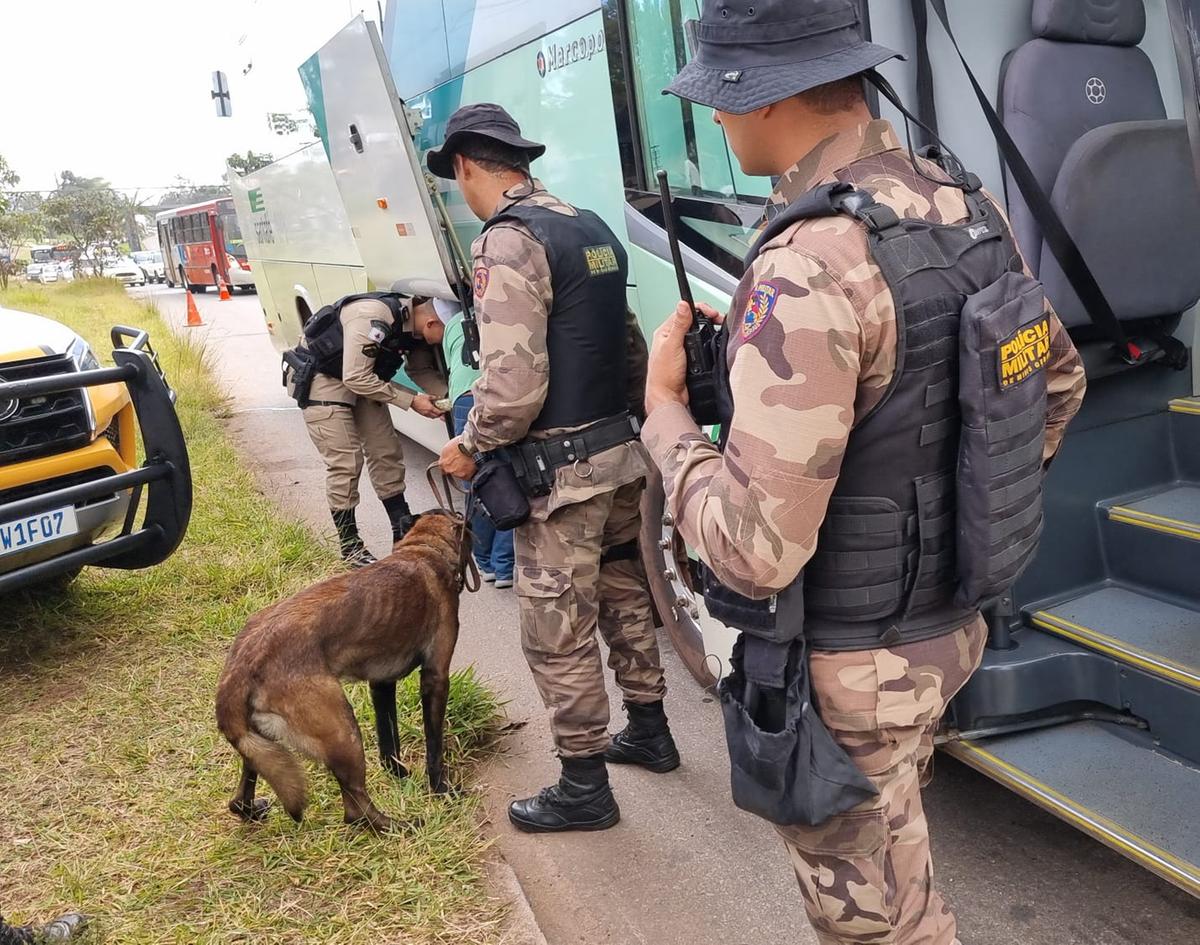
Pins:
x: 81, y: 353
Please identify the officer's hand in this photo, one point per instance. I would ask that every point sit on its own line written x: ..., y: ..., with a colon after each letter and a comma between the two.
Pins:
x: 424, y: 405
x: 667, y: 372
x: 454, y: 462
x: 717, y: 318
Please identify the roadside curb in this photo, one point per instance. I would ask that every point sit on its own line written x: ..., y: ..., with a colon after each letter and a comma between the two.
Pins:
x: 522, y: 926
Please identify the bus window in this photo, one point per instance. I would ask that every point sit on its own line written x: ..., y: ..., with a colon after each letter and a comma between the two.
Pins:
x: 677, y: 136
x: 234, y: 244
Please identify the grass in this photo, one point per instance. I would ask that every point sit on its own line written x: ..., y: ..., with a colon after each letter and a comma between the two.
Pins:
x: 113, y: 777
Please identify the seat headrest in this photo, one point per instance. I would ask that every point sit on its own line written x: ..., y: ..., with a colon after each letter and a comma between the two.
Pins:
x: 1105, y: 22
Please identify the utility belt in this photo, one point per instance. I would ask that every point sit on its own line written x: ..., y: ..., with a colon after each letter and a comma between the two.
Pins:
x: 508, y: 477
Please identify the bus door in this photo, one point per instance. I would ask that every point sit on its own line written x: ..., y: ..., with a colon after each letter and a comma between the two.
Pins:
x: 220, y: 256
x: 378, y: 173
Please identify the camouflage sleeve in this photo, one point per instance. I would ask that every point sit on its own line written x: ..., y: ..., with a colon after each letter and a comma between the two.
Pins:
x: 512, y: 302
x: 753, y: 512
x: 1065, y: 385
x: 358, y: 364
x: 637, y: 360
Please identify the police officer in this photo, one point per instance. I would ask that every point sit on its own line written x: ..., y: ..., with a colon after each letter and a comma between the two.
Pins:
x: 558, y: 362
x: 347, y: 412
x: 812, y: 354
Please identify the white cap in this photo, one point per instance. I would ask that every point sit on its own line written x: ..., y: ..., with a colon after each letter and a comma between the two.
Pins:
x: 446, y: 310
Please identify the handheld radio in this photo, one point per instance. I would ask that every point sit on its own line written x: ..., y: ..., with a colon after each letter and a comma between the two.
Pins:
x: 698, y: 343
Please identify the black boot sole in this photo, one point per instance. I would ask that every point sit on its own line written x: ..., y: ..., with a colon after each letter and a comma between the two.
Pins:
x: 602, y: 823
x: 658, y: 767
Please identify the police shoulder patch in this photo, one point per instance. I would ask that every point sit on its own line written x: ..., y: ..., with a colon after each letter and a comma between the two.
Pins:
x: 1025, y: 352
x: 482, y: 275
x: 759, y: 307
x: 378, y: 331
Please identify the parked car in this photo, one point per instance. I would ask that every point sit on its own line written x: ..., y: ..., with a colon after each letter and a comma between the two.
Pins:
x: 151, y: 262
x: 240, y: 274
x: 125, y: 270
x: 47, y: 272
x: 70, y: 468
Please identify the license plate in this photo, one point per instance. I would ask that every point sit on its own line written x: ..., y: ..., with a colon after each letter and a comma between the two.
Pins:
x: 37, y: 530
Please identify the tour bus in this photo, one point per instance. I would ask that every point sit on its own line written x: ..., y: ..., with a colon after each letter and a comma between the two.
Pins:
x: 202, y: 246
x: 1088, y: 698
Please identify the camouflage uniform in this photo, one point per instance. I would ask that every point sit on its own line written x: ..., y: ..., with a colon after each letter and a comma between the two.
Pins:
x: 814, y: 367
x: 351, y: 419
x: 565, y: 591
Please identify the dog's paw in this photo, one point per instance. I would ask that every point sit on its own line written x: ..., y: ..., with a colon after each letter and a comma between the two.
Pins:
x: 376, y: 822
x: 254, y: 812
x: 393, y: 766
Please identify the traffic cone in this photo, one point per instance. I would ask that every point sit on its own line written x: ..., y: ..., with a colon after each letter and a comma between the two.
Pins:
x: 224, y: 295
x: 193, y: 313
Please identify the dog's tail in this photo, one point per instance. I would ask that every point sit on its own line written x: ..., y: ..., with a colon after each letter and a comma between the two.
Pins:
x: 270, y: 758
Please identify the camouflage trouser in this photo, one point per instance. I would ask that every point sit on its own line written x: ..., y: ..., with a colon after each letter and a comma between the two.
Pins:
x: 867, y: 875
x: 565, y: 594
x: 344, y: 436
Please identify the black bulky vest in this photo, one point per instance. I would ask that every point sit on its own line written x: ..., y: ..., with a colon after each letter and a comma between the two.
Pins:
x: 937, y: 506
x: 324, y: 338
x: 585, y: 333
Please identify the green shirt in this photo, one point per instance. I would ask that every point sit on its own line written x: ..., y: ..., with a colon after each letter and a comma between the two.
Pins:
x: 462, y: 376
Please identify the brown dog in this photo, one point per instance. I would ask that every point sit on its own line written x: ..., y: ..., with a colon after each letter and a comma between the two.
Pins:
x: 280, y: 690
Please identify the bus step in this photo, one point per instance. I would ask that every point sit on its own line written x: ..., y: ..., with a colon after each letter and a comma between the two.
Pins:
x: 1186, y: 405
x: 1173, y: 510
x: 1108, y: 781
x: 1133, y: 628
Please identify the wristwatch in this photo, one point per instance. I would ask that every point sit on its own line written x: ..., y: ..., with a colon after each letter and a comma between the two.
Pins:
x: 462, y: 448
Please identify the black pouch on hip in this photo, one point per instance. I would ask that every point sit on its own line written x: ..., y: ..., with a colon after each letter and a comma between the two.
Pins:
x: 784, y: 765
x: 299, y: 366
x: 498, y: 492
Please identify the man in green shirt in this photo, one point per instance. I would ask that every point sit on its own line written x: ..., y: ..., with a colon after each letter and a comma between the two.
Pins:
x: 493, y: 548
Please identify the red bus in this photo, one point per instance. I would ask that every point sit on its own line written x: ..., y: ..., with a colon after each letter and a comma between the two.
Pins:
x: 201, y: 243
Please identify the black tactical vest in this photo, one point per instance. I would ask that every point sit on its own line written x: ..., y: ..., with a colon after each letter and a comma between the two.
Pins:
x: 585, y: 333
x: 934, y: 511
x: 324, y: 338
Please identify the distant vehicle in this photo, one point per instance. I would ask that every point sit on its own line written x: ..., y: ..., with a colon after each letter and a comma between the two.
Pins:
x: 126, y: 271
x: 46, y: 273
x: 151, y: 261
x: 198, y: 243
x: 56, y: 253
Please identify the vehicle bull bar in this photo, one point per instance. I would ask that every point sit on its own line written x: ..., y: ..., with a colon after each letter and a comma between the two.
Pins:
x: 164, y: 478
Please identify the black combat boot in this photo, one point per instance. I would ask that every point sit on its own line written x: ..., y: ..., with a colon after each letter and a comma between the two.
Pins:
x: 62, y: 929
x: 399, y: 514
x: 354, y: 552
x: 582, y: 800
x: 646, y: 740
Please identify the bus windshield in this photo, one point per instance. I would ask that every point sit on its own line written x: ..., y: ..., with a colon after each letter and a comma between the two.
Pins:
x: 234, y: 244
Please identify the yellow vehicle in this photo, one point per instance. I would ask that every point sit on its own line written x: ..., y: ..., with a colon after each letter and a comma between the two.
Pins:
x: 71, y: 485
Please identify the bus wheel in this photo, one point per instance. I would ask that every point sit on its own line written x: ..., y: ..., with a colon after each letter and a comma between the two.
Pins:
x: 669, y: 575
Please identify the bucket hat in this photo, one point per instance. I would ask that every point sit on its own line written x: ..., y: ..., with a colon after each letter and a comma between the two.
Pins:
x: 751, y: 53
x: 486, y: 119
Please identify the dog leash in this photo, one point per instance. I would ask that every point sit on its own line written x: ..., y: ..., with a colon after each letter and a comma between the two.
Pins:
x: 445, y: 501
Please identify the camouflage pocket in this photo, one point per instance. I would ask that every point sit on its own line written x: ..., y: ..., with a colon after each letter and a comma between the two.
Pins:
x: 842, y: 868
x: 548, y: 610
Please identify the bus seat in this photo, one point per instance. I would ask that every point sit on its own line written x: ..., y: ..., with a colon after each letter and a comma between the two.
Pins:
x: 1083, y: 104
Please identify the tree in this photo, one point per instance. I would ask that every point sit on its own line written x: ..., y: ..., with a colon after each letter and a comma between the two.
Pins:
x: 88, y: 217
x: 131, y: 209
x: 185, y: 192
x: 251, y: 161
x: 16, y: 223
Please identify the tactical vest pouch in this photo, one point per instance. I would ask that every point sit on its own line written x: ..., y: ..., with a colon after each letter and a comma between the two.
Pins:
x: 498, y: 493
x: 299, y: 366
x: 323, y: 337
x: 784, y: 765
x: 1004, y: 347
x: 759, y: 618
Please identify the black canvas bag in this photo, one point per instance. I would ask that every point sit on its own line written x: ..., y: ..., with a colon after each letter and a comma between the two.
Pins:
x: 784, y: 765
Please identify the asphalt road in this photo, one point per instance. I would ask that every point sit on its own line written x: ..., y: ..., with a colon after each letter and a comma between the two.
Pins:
x: 684, y: 867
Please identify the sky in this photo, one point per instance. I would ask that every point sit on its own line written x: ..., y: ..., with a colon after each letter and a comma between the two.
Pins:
x: 121, y: 90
